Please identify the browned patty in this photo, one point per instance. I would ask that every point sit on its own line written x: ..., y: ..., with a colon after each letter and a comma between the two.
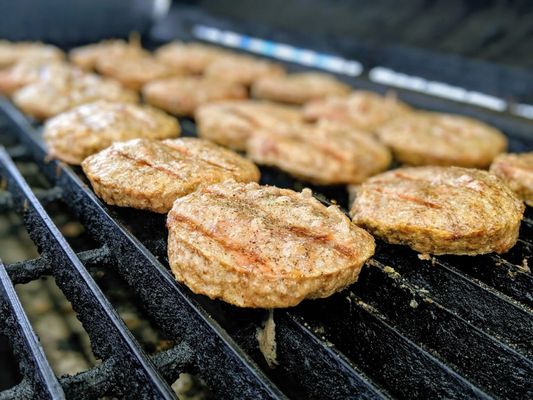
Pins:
x: 134, y: 72
x: 242, y: 69
x: 516, y: 170
x: 14, y: 52
x: 425, y: 138
x: 361, y: 110
x: 87, y: 57
x: 440, y: 210
x: 232, y: 123
x: 192, y: 58
x: 183, y: 95
x: 261, y: 246
x: 299, y: 88
x: 150, y: 174
x: 49, y: 97
x: 323, y: 154
x: 76, y: 134
x: 31, y: 71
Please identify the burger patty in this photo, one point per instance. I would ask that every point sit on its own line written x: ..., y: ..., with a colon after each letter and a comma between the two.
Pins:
x: 134, y: 72
x: 150, y: 175
x: 13, y: 52
x: 440, y: 210
x: 95, y: 126
x: 242, y: 69
x: 87, y: 57
x: 516, y: 170
x: 183, y: 95
x: 31, y: 71
x: 191, y: 58
x: 322, y: 154
x: 49, y: 97
x: 425, y: 138
x: 299, y: 88
x: 361, y: 110
x: 231, y: 123
x: 261, y: 246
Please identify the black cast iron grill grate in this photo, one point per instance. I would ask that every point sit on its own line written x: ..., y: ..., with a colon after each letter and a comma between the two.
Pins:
x: 448, y: 327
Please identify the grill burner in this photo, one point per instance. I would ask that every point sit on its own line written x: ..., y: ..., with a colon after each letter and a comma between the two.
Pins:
x: 448, y: 327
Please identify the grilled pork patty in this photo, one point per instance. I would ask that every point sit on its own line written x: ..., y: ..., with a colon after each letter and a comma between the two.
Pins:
x: 242, y: 69
x: 299, y: 88
x: 49, y: 97
x: 232, y: 123
x: 516, y: 170
x: 190, y: 58
x: 361, y: 110
x: 183, y: 95
x: 324, y: 154
x: 261, y: 246
x: 87, y: 57
x: 440, y: 210
x: 150, y: 175
x: 95, y: 126
x: 425, y: 138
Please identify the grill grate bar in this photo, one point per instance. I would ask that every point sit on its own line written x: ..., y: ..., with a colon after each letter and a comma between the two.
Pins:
x: 483, y: 359
x: 405, y: 369
x: 99, y: 319
x: 473, y: 301
x: 481, y: 271
x: 27, y: 271
x: 33, y: 363
x: 297, y: 343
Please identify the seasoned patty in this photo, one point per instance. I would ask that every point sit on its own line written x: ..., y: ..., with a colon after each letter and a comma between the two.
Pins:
x: 192, y: 58
x: 50, y: 97
x: 30, y: 71
x: 134, y: 72
x: 323, y: 154
x: 516, y: 170
x: 362, y: 110
x: 299, y: 88
x: 425, y: 138
x: 261, y: 246
x: 87, y: 57
x: 14, y: 52
x: 84, y: 130
x: 150, y: 175
x: 440, y: 210
x: 242, y: 69
x: 183, y: 95
x: 231, y: 123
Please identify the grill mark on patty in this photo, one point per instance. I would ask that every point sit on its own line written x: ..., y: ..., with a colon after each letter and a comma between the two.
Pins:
x: 282, y: 225
x: 163, y: 168
x: 424, y: 182
x: 194, y: 157
x: 224, y: 242
x: 146, y: 163
x: 243, y: 115
x: 407, y: 197
x: 296, y: 139
x: 196, y: 249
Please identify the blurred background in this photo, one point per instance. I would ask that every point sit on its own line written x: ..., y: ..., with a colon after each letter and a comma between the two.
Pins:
x: 481, y: 45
